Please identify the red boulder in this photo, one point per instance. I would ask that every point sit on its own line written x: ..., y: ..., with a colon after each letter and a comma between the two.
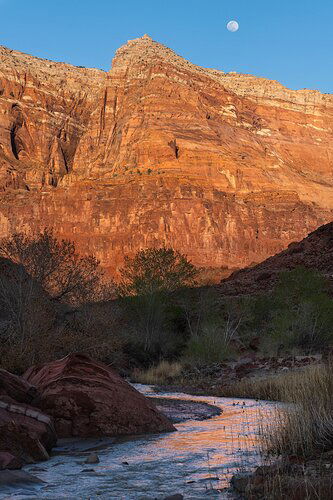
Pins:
x: 16, y: 387
x: 26, y: 434
x: 87, y: 399
x: 8, y: 461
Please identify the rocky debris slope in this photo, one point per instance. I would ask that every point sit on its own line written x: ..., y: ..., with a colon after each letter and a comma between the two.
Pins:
x: 218, y: 377
x: 26, y: 433
x: 227, y: 168
x: 314, y: 252
x: 89, y: 399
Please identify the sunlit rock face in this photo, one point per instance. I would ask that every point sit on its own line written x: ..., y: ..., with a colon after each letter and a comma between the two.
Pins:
x: 227, y: 168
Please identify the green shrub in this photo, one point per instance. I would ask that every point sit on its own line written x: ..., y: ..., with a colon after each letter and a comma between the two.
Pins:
x: 301, y: 310
x: 155, y: 270
x: 209, y: 347
x: 215, y: 324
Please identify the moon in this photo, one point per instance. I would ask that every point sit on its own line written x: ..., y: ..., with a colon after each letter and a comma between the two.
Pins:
x: 233, y: 26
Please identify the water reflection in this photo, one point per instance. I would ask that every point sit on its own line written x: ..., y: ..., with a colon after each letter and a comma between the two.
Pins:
x: 196, y: 461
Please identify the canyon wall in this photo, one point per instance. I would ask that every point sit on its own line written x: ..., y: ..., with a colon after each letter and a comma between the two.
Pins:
x: 227, y: 168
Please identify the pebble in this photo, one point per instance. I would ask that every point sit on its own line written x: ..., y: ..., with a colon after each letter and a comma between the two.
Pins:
x: 92, y: 459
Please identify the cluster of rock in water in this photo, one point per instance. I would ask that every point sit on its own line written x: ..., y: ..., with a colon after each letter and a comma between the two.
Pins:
x: 72, y: 397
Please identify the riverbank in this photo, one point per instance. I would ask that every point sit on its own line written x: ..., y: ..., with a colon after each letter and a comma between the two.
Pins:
x: 289, y: 478
x: 245, y: 377
x: 300, y: 441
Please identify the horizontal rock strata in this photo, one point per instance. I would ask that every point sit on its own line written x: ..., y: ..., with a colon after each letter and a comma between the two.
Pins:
x: 89, y: 399
x: 227, y: 168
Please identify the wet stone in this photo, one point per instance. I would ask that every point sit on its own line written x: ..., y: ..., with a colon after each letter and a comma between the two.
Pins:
x: 11, y: 477
x: 178, y: 496
x: 92, y: 459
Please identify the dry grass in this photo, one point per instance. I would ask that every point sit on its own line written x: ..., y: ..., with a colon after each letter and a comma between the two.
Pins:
x: 304, y: 426
x: 291, y: 486
x: 164, y: 373
x: 270, y: 388
x: 301, y: 434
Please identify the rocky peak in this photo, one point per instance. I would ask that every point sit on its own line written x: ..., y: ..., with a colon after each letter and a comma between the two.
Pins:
x: 145, y: 51
x: 141, y: 49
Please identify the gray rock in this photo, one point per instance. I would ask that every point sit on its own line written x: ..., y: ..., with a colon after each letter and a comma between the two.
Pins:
x: 92, y: 459
x: 10, y: 477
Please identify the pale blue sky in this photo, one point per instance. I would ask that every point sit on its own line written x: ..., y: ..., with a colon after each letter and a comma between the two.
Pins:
x: 287, y: 40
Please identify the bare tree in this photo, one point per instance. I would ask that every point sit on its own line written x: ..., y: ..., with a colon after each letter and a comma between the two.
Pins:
x: 26, y: 314
x: 55, y: 264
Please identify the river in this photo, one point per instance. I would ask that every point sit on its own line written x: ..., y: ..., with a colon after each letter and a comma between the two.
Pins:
x: 197, y: 461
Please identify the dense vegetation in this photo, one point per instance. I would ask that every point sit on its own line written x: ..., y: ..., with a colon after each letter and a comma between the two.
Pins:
x: 54, y: 301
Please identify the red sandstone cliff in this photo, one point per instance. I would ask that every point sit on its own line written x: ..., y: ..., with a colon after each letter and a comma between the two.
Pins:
x: 227, y: 168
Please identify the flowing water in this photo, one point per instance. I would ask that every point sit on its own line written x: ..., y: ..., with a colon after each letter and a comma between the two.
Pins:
x: 197, y: 461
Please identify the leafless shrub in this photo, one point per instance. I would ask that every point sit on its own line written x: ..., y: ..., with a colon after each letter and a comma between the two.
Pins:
x: 64, y: 274
x: 27, y: 316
